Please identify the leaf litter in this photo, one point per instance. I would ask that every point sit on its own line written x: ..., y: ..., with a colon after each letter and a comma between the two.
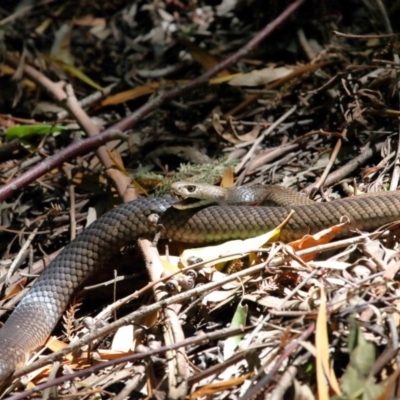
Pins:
x: 313, y: 319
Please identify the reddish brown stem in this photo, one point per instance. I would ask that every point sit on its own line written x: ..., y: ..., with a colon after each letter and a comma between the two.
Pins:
x: 58, y: 159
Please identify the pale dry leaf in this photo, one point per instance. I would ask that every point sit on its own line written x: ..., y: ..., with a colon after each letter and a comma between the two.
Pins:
x: 61, y: 49
x: 331, y: 264
x: 91, y: 216
x: 260, y: 77
x: 324, y: 370
x: 231, y: 250
x: 123, y: 339
x: 225, y: 7
x: 218, y: 296
x: 276, y: 303
x: 302, y: 391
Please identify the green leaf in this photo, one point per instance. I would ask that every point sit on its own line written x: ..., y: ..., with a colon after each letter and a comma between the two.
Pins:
x: 357, y: 381
x: 21, y: 131
x: 83, y: 77
x: 352, y: 386
x: 363, y: 356
x: 353, y: 334
x: 76, y: 72
x: 239, y: 319
x: 372, y: 391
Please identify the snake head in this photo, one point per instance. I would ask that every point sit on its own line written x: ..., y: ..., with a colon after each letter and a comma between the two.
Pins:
x: 194, y: 195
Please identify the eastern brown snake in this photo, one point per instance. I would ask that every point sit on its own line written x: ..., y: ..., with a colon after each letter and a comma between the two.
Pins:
x: 36, y: 315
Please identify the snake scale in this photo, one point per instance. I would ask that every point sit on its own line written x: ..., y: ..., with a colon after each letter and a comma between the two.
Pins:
x: 39, y: 311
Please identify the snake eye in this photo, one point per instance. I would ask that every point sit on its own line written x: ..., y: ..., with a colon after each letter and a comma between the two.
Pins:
x: 191, y: 188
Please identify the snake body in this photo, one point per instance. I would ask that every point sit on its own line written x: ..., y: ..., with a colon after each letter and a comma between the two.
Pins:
x: 37, y: 314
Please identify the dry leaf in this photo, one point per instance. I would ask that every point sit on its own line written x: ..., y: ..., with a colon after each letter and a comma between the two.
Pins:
x: 260, y: 77
x: 61, y: 48
x: 123, y: 339
x: 233, y: 249
x: 228, y: 178
x: 206, y: 60
x: 322, y: 237
x: 230, y: 134
x: 323, y: 365
x: 214, y: 388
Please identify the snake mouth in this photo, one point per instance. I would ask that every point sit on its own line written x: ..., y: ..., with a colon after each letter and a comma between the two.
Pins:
x: 178, y: 197
x: 183, y: 203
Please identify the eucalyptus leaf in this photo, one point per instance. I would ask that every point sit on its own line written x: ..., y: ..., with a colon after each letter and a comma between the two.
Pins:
x: 239, y: 319
x: 21, y: 131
